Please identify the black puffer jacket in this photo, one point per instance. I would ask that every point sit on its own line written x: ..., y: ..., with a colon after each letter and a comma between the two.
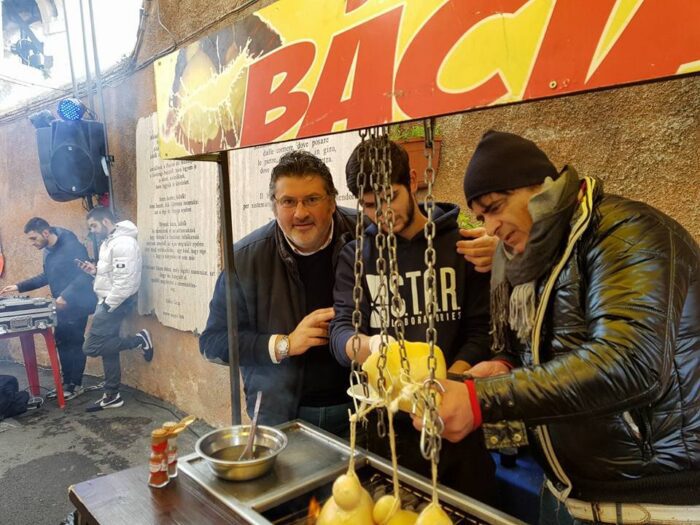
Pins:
x: 618, y: 389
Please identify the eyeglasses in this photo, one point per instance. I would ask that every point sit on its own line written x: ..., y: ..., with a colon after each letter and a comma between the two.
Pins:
x: 309, y: 202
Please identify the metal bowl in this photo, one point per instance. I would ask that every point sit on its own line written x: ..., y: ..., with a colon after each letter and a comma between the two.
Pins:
x: 221, y: 449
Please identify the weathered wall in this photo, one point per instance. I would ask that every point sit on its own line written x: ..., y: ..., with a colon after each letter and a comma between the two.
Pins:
x: 643, y: 141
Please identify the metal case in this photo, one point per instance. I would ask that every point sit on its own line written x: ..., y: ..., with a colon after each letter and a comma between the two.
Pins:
x: 21, y: 314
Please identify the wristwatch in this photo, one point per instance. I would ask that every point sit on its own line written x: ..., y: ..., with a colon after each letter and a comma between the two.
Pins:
x: 282, y: 347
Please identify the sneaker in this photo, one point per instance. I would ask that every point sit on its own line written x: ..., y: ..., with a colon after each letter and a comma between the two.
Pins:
x: 72, y: 391
x: 34, y: 403
x: 53, y: 394
x: 111, y: 401
x: 99, y: 401
x: 146, y: 345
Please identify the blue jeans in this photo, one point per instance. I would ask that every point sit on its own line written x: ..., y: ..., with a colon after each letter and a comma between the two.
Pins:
x: 332, y: 418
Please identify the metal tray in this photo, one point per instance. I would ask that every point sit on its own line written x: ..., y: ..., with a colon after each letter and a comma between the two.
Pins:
x: 312, y: 458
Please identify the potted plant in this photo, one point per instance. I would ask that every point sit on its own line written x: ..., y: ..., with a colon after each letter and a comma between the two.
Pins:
x: 411, y: 136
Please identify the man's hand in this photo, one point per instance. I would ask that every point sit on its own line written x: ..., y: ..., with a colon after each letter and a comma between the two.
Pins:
x: 478, y: 249
x: 10, y: 288
x: 455, y: 411
x: 86, y: 266
x: 489, y: 369
x: 459, y: 367
x: 311, y: 331
x: 61, y: 303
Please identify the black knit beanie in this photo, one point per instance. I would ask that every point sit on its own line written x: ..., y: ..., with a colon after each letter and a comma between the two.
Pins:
x: 504, y: 161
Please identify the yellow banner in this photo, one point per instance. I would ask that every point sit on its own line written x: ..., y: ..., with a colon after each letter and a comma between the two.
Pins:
x: 301, y: 68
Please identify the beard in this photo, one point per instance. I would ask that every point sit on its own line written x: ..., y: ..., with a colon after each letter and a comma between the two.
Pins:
x: 40, y: 245
x: 98, y: 236
x: 410, y: 217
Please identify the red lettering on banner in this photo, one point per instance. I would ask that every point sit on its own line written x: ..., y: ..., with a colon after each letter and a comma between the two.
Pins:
x: 569, y: 44
x: 294, y: 61
x: 652, y: 45
x: 416, y: 88
x: 374, y: 44
x: 351, y: 5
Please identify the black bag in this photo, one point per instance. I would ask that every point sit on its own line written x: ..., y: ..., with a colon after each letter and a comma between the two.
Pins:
x: 12, y: 401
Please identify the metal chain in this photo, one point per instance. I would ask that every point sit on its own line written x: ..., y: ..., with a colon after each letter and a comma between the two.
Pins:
x: 382, y: 199
x: 357, y: 375
x: 398, y: 304
x: 432, y: 424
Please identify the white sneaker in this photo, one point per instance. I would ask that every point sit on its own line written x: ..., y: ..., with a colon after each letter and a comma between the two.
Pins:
x: 99, y: 401
x: 112, y: 401
x: 72, y: 391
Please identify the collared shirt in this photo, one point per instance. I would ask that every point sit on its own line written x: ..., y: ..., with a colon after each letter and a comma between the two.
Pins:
x: 273, y: 338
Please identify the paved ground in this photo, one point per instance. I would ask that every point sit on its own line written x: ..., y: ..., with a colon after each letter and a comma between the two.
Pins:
x: 44, y: 451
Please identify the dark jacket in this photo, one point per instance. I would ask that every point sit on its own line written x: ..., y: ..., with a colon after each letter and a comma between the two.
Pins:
x: 63, y: 276
x: 618, y: 390
x: 462, y: 293
x: 270, y: 299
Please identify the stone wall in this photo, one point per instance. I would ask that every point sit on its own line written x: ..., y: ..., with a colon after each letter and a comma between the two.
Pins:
x: 642, y: 141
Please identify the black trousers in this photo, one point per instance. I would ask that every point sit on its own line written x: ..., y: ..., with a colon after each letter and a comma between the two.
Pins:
x: 466, y: 467
x: 104, y: 341
x: 70, y: 336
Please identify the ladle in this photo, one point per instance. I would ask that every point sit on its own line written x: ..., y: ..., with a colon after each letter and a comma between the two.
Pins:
x: 248, y: 450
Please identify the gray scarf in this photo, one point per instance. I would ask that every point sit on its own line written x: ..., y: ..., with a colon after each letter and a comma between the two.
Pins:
x: 514, y: 277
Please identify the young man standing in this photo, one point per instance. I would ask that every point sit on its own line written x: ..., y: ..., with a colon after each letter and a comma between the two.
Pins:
x: 462, y: 320
x: 71, y: 288
x: 117, y: 281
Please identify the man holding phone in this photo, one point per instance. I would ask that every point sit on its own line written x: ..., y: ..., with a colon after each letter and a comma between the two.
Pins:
x: 117, y: 281
x: 72, y: 289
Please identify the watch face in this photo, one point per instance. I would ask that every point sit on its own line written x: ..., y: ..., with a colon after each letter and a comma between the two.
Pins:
x: 283, y: 346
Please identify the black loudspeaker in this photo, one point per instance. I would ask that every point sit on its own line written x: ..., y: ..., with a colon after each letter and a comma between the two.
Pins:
x: 70, y: 155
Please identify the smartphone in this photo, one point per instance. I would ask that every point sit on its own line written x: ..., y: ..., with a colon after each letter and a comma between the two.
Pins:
x: 78, y: 262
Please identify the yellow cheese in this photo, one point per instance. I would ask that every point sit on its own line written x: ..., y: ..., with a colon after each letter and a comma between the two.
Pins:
x: 433, y: 515
x: 350, y: 504
x: 417, y: 354
x: 388, y: 511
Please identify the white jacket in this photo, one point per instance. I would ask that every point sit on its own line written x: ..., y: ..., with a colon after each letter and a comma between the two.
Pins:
x: 118, y: 274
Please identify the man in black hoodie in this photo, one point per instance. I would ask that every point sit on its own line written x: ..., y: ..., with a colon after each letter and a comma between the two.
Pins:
x: 462, y: 319
x: 72, y: 289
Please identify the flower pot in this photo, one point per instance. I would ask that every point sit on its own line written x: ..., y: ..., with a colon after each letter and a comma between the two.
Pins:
x: 415, y: 148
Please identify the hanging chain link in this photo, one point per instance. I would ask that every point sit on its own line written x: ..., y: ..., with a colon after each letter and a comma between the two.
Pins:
x: 432, y: 423
x: 357, y: 376
x: 398, y: 304
x: 381, y: 187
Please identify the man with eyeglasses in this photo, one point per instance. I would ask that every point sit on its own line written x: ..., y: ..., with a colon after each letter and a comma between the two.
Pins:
x: 283, y: 289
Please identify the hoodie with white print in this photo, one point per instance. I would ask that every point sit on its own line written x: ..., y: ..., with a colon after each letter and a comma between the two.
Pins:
x: 118, y: 274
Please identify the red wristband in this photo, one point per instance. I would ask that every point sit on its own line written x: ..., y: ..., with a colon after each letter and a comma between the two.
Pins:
x: 474, y: 402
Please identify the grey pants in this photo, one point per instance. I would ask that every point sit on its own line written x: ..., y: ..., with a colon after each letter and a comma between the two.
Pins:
x: 103, y: 340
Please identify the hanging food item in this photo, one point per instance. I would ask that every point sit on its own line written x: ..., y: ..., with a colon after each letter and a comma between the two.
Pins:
x: 388, y: 511
x: 417, y: 353
x: 433, y: 515
x: 350, y: 504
